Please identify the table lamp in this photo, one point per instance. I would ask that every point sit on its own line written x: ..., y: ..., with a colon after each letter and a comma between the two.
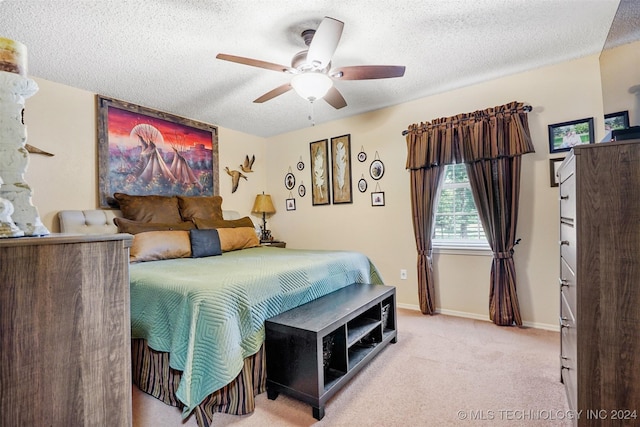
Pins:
x: 263, y: 205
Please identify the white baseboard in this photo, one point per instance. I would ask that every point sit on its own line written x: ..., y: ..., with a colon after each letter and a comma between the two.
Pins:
x: 545, y: 326
x: 408, y: 306
x: 475, y: 316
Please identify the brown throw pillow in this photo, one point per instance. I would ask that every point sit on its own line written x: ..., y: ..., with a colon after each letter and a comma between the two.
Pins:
x: 208, y: 207
x: 158, y: 245
x: 232, y: 239
x: 162, y: 209
x: 202, y: 223
x: 135, y: 227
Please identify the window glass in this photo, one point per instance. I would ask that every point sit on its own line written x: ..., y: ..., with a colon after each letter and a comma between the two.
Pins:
x: 457, y: 218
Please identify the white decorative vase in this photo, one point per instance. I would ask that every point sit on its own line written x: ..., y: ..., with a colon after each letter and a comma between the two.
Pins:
x: 15, y: 87
x: 8, y: 228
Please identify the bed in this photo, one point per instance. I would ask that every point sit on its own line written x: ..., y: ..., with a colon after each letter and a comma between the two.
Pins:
x: 198, y: 323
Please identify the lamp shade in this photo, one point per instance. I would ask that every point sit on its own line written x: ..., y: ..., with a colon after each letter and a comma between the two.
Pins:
x: 311, y: 85
x: 263, y: 204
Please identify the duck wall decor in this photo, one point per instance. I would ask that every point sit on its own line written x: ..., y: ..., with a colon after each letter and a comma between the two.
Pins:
x: 246, y: 167
x: 248, y: 164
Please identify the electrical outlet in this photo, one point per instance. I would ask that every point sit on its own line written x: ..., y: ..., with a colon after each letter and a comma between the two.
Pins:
x: 403, y: 274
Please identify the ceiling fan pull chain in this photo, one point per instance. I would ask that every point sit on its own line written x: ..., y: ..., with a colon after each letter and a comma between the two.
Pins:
x: 313, y: 123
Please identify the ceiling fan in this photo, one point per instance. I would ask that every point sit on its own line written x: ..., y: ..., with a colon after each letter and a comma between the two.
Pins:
x: 311, y: 69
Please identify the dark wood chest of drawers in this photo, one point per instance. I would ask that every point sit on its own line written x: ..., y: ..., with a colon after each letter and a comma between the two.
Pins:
x: 600, y: 281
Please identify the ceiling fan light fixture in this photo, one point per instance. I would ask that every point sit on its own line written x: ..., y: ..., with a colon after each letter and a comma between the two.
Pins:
x: 313, y: 74
x: 311, y: 85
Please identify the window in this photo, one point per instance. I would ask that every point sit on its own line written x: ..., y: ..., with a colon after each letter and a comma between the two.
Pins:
x: 457, y: 222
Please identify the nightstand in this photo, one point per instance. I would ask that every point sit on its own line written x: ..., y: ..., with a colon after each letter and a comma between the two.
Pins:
x: 273, y: 243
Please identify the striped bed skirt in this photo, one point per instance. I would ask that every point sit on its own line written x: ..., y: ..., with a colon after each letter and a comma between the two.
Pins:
x: 153, y: 375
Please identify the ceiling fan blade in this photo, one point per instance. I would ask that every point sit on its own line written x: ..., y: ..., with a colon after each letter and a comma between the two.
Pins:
x: 273, y: 93
x: 255, y: 63
x: 335, y: 98
x: 366, y: 72
x: 324, y: 42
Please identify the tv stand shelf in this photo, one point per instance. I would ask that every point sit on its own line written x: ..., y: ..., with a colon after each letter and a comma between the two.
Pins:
x: 316, y: 348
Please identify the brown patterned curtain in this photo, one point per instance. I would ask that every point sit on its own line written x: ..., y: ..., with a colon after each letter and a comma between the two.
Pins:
x: 490, y: 142
x: 425, y: 192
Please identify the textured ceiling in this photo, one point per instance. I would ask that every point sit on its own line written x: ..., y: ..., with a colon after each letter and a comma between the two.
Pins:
x: 161, y: 53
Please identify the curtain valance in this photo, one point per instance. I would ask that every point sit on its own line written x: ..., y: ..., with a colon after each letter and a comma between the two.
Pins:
x: 501, y: 131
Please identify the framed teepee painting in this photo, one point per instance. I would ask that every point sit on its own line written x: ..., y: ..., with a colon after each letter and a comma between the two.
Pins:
x: 143, y: 151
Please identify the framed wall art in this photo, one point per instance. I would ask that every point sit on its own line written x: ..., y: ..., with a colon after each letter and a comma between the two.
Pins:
x: 362, y: 185
x: 319, y: 151
x: 553, y: 170
x: 362, y: 156
x: 564, y: 136
x: 291, y: 204
x: 619, y: 120
x: 289, y: 181
x: 377, y: 198
x: 376, y: 168
x: 143, y: 151
x: 341, y: 169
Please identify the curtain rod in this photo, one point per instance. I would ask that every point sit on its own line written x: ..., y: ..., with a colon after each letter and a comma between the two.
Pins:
x: 526, y: 108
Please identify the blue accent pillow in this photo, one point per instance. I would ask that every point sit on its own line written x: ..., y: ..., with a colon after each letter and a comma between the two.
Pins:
x: 205, y: 243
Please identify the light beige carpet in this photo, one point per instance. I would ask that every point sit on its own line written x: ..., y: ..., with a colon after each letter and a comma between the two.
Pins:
x: 443, y: 371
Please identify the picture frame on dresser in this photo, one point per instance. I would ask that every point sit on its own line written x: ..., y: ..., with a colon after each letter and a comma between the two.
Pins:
x: 566, y: 135
x: 143, y: 151
x: 553, y: 171
x: 619, y: 120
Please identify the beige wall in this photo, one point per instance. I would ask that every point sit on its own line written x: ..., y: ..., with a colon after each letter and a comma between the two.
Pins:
x: 621, y: 80
x: 62, y: 120
x: 560, y: 93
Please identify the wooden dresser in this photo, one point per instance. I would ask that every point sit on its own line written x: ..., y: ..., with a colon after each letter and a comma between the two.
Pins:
x: 600, y: 282
x: 65, y: 355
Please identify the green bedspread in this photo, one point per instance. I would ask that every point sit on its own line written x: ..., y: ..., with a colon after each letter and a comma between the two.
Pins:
x: 208, y: 313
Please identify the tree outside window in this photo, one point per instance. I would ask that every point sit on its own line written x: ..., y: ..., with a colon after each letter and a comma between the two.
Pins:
x: 457, y: 217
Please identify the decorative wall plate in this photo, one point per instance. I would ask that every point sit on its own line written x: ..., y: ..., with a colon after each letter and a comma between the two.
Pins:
x: 289, y: 181
x: 376, y: 169
x: 362, y: 185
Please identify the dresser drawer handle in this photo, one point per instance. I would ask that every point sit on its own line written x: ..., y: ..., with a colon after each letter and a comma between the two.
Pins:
x: 564, y: 197
x: 566, y: 367
x: 564, y: 243
x: 563, y: 283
